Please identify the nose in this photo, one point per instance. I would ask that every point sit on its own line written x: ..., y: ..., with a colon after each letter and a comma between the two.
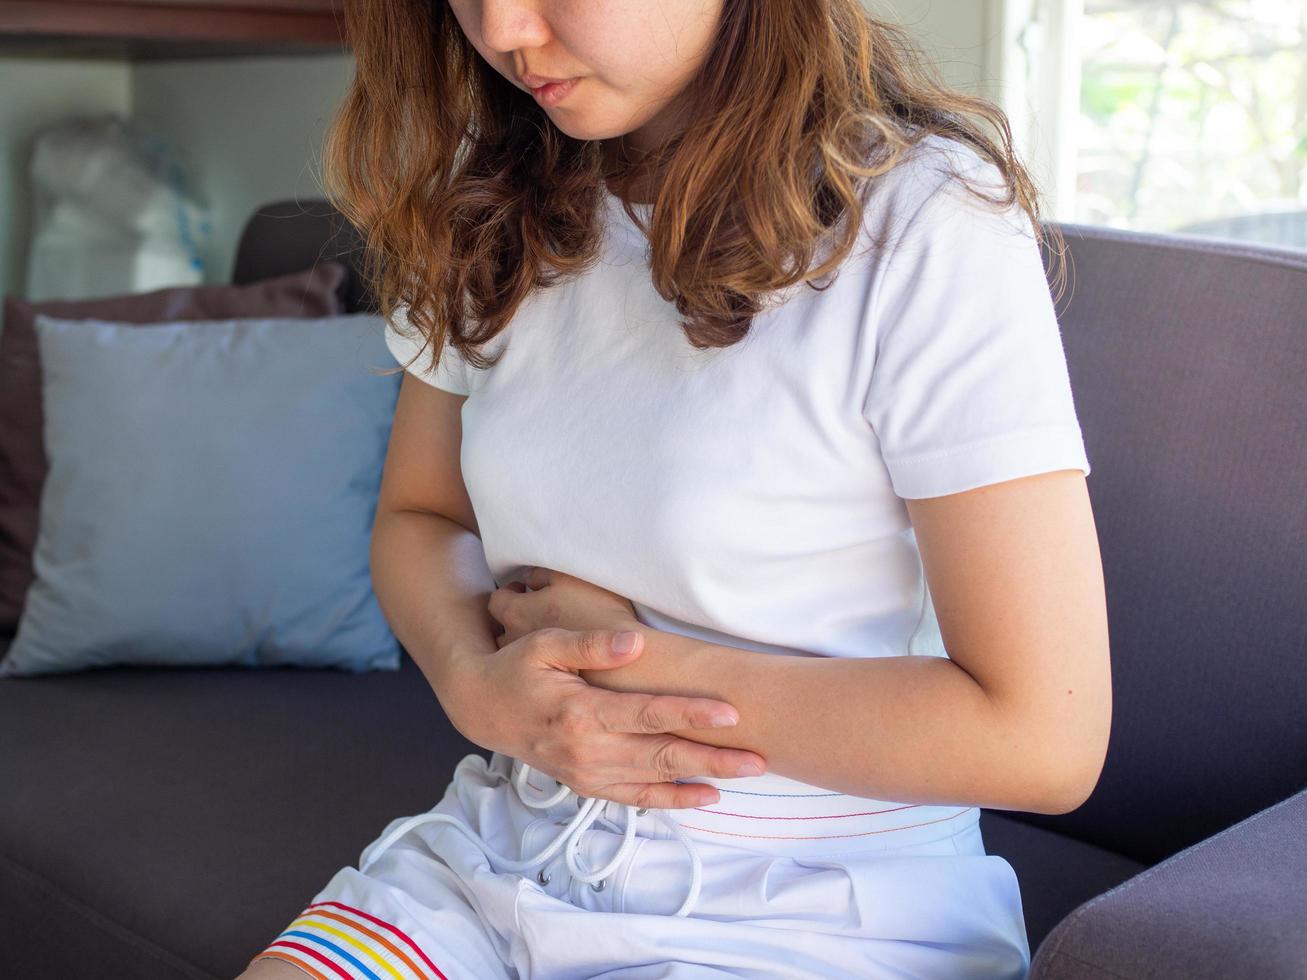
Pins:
x: 507, y: 25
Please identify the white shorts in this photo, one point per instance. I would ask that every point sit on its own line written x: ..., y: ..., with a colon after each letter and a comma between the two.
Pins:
x: 801, y: 886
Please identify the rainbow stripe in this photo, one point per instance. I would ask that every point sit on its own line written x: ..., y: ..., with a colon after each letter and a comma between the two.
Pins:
x: 334, y: 941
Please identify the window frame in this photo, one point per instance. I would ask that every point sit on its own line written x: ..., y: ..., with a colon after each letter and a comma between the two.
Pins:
x: 1033, y: 68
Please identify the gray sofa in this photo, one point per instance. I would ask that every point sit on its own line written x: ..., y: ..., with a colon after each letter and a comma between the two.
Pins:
x: 158, y: 824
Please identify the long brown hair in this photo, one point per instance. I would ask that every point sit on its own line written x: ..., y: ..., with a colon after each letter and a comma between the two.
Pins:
x: 468, y: 197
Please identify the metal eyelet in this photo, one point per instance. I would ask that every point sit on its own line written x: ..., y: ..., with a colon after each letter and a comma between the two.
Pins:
x: 580, y: 802
x: 542, y: 877
x: 598, y: 885
x: 642, y: 811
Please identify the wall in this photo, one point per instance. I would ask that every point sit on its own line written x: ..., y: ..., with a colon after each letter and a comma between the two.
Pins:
x: 249, y: 130
x: 955, y: 33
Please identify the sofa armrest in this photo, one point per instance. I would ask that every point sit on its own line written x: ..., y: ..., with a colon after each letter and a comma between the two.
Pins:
x: 1233, y: 905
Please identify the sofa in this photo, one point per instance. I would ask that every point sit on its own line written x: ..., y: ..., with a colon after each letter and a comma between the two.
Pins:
x: 166, y: 823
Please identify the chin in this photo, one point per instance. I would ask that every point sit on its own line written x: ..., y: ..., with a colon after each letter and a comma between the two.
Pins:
x: 580, y: 128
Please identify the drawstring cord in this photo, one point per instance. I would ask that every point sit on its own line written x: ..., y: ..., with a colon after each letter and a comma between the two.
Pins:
x: 589, y: 810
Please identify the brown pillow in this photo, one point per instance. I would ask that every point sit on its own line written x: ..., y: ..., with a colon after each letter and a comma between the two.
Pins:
x: 23, y: 465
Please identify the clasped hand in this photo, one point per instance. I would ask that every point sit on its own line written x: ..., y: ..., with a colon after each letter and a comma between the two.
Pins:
x: 530, y: 701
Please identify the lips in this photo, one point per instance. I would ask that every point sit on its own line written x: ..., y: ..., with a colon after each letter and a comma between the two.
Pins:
x: 539, y: 81
x: 552, y: 93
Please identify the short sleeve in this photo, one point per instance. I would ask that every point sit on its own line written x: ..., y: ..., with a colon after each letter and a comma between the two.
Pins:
x: 406, y: 342
x: 969, y: 383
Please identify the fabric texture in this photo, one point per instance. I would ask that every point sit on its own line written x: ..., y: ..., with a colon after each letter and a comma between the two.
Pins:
x: 210, y: 497
x: 311, y: 293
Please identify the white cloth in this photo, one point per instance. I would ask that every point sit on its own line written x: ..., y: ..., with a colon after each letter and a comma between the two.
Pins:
x: 753, y: 496
x: 432, y: 901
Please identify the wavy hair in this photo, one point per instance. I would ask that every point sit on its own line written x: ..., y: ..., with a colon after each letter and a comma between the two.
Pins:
x: 467, y: 197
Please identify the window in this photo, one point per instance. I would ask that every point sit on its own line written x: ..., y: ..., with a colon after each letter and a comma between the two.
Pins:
x: 1163, y: 115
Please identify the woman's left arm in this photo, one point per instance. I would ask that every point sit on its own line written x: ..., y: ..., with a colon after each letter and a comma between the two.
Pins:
x: 1016, y: 717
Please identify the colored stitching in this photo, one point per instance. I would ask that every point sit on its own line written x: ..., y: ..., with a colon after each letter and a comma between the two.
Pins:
x: 727, y: 833
x: 374, y: 935
x: 294, y: 960
x: 833, y: 816
x: 386, y: 925
x: 315, y: 954
x: 797, y: 796
x: 309, y: 920
x: 343, y: 954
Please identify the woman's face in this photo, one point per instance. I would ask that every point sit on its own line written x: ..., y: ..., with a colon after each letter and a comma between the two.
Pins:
x: 632, y: 58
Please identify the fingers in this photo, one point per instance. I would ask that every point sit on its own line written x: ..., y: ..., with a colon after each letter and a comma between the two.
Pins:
x: 659, y: 796
x: 618, y: 745
x: 611, y: 738
x: 633, y: 711
x: 665, y: 758
x: 587, y: 649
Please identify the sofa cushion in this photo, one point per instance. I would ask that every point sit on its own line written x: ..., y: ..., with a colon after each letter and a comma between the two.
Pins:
x: 301, y: 292
x: 1233, y: 905
x: 210, y: 496
x: 166, y: 823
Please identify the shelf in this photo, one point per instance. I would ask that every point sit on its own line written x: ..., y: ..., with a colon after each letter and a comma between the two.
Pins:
x: 148, y: 30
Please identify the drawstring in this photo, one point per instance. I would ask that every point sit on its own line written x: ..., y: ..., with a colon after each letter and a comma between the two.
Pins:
x: 589, y: 810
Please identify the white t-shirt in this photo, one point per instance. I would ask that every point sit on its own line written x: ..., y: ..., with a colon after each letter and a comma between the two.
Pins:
x: 751, y: 495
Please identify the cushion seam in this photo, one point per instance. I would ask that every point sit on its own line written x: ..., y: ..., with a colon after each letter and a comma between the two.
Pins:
x: 101, y: 921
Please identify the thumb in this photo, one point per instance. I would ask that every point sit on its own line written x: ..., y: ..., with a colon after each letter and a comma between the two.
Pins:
x: 600, y: 649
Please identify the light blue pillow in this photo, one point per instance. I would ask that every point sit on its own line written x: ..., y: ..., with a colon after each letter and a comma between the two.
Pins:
x: 210, y: 497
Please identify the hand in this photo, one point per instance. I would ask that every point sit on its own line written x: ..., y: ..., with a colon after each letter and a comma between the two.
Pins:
x: 546, y: 597
x: 526, y: 700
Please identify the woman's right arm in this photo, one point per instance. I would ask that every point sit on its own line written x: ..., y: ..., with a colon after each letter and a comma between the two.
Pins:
x: 432, y: 582
x: 429, y: 570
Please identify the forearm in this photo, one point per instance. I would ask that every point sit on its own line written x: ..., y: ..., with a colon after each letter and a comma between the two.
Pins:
x: 431, y: 580
x: 909, y: 729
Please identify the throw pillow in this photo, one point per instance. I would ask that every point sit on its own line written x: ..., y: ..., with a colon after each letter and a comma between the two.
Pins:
x: 314, y: 293
x: 210, y: 496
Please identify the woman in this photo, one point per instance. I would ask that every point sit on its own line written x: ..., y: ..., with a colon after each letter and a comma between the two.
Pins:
x: 741, y: 351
